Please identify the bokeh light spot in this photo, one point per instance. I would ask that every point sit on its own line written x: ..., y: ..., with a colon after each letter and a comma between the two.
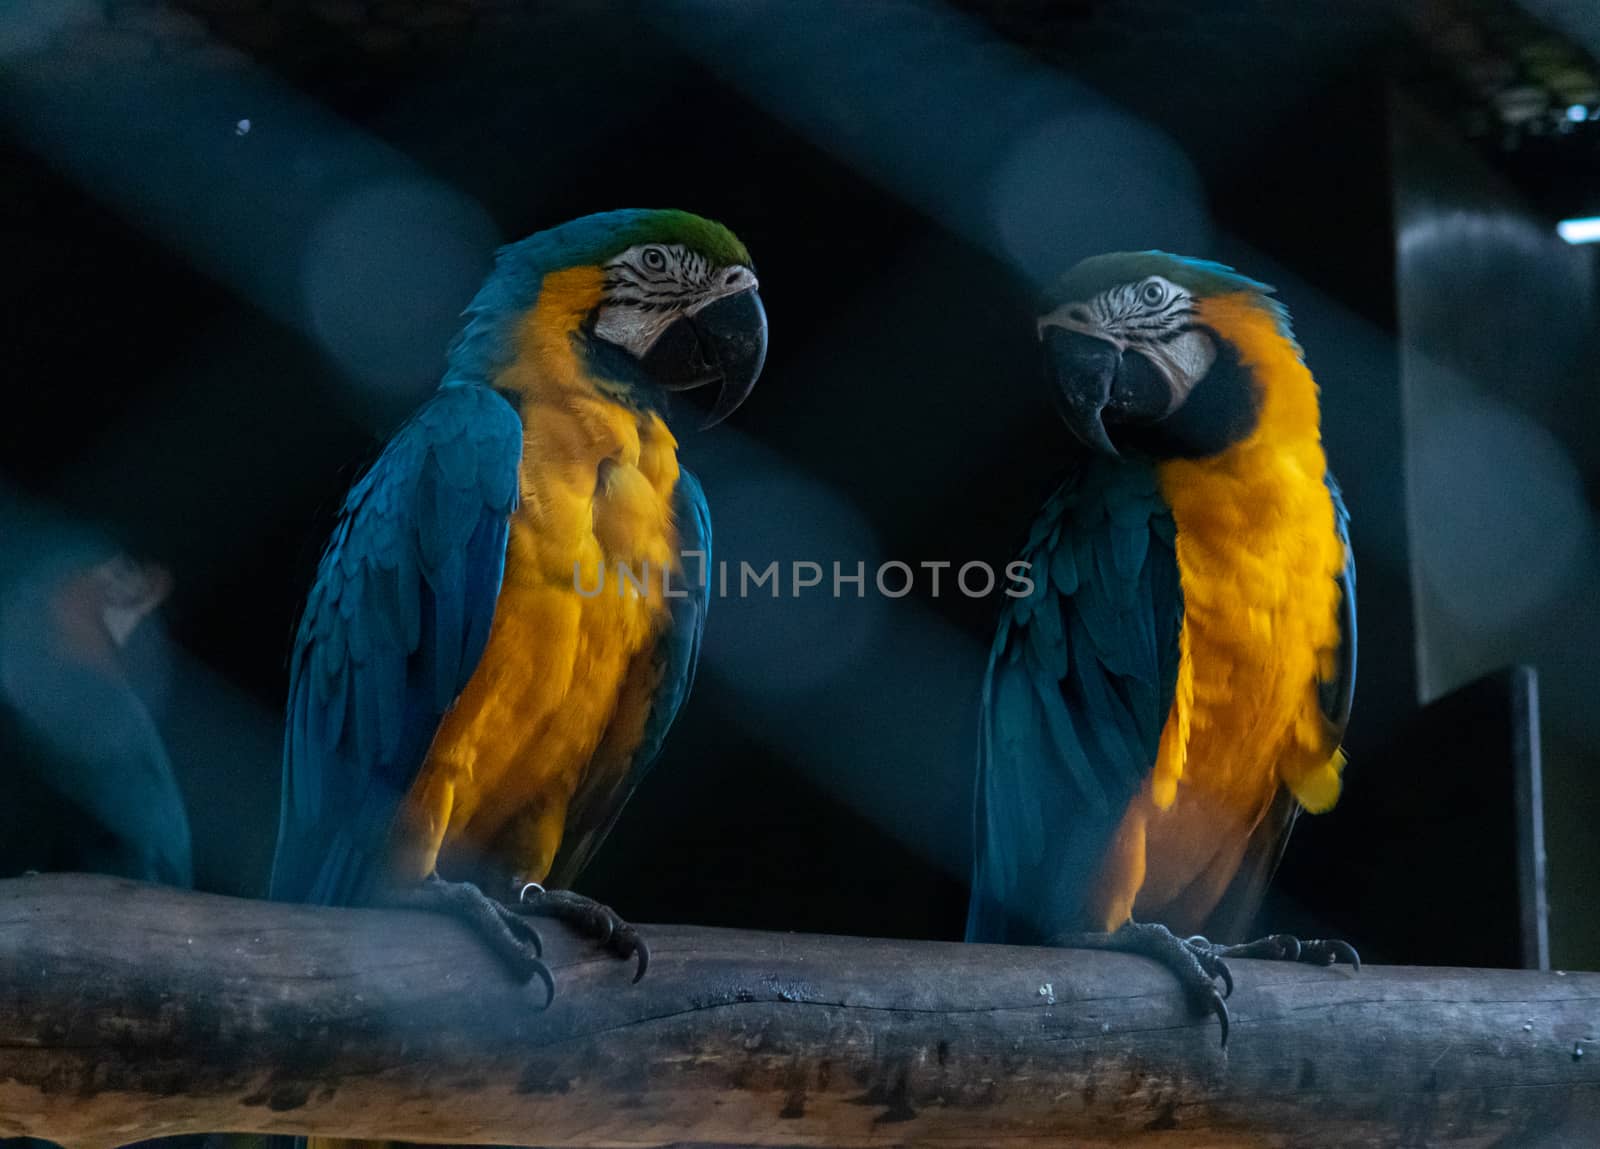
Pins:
x: 794, y: 642
x: 386, y: 273
x: 1498, y: 511
x: 1091, y: 182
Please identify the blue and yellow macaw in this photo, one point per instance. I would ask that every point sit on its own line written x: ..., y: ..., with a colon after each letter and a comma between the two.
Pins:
x: 508, y: 616
x: 1177, y: 683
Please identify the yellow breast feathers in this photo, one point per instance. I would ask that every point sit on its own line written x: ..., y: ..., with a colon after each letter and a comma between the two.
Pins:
x: 572, y: 634
x: 1258, y: 558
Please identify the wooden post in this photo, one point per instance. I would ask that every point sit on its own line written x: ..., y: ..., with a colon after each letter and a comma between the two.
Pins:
x: 130, y: 1011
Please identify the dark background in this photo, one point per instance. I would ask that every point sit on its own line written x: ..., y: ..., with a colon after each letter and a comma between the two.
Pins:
x: 236, y: 234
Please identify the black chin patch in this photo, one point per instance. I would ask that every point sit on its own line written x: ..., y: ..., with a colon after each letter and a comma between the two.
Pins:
x: 613, y: 365
x: 1221, y: 411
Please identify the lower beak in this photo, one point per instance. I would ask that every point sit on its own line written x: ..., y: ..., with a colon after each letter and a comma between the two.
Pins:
x: 1083, y: 369
x: 724, y: 342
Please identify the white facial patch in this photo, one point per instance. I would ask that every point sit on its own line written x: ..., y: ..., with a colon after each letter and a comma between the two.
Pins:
x: 631, y: 328
x: 1183, y: 360
x: 651, y: 286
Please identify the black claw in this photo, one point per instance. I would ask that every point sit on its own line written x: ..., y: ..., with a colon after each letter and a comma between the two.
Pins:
x: 542, y: 972
x: 1211, y: 961
x: 1220, y: 1008
x: 524, y: 931
x: 592, y: 919
x: 1332, y: 952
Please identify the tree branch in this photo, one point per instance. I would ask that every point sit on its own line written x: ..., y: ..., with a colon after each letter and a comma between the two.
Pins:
x: 131, y: 1011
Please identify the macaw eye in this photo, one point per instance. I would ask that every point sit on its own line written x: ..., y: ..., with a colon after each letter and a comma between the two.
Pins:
x: 1153, y: 293
x: 654, y: 259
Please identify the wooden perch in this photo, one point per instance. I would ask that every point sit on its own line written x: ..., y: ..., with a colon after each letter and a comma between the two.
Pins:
x: 130, y: 1011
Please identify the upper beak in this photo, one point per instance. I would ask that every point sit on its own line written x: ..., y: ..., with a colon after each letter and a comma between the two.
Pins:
x: 1083, y: 369
x: 733, y: 334
x: 725, y: 342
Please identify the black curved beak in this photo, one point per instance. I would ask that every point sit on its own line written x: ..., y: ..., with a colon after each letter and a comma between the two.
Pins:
x: 1083, y: 369
x: 735, y: 331
x: 724, y: 342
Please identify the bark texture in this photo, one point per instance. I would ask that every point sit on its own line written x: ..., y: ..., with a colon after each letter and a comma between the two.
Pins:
x: 130, y: 1011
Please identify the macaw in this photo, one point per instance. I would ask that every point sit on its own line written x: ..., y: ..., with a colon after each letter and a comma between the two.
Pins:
x: 508, y: 616
x: 90, y: 785
x: 1176, y: 685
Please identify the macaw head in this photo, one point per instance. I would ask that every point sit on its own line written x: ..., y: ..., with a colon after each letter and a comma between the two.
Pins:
x: 1161, y: 353
x: 644, y: 302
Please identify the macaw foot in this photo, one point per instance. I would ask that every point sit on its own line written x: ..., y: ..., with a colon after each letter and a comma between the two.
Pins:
x: 588, y: 917
x: 513, y: 939
x: 1196, y: 965
x: 1287, y: 947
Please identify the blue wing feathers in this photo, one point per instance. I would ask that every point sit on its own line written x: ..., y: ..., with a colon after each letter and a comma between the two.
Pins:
x: 393, y: 628
x: 1069, y: 730
x: 1064, y: 571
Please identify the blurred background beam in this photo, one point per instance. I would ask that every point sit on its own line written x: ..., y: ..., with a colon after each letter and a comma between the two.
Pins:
x: 1020, y: 159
